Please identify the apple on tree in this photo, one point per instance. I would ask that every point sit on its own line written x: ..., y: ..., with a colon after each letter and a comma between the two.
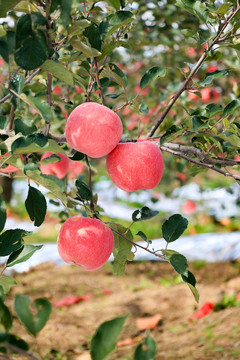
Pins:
x: 135, y: 166
x: 59, y: 168
x: 85, y: 242
x: 93, y: 129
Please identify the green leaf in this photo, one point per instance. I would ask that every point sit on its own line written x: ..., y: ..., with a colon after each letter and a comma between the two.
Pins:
x: 120, y: 261
x: 120, y: 17
x: 151, y: 75
x: 6, y: 5
x: 14, y: 340
x: 24, y: 126
x: 3, y: 214
x: 104, y: 341
x: 50, y: 182
x: 223, y: 8
x: 115, y: 69
x: 11, y: 240
x: 66, y: 7
x: 85, y: 49
x: 59, y: 71
x: 144, y: 214
x: 189, y: 278
x: 83, y: 190
x: 4, y: 48
x: 3, y: 119
x: 94, y: 37
x: 77, y: 27
x: 50, y: 160
x: 179, y: 263
x: 210, y: 76
x: 194, y: 292
x: 197, y: 123
x: 171, y: 132
x: 204, y: 36
x: 144, y: 108
x: 173, y: 228
x: 114, y: 3
x: 22, y: 254
x: 196, y: 8
x: 33, y: 322
x: 142, y: 235
x: 147, y: 350
x: 35, y: 143
x: 6, y: 283
x: 42, y: 107
x: 5, y: 316
x: 36, y: 206
x: 122, y: 248
x: 31, y: 46
x: 77, y: 156
x: 231, y: 107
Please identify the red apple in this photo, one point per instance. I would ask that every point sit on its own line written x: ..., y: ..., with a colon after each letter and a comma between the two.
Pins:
x: 59, y: 168
x: 189, y: 207
x: 10, y: 168
x: 57, y: 90
x: 75, y: 168
x: 93, y: 129
x: 135, y: 166
x: 85, y: 242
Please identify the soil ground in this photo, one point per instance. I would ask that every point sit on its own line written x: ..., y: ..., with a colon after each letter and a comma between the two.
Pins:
x: 149, y: 288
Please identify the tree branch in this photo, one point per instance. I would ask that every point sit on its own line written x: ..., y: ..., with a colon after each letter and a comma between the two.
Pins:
x: 192, y: 72
x: 25, y: 83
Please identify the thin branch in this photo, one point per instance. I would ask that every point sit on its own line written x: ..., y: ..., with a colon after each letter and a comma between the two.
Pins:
x: 137, y: 244
x: 11, y: 117
x: 20, y: 351
x: 188, y: 79
x: 98, y: 80
x: 92, y: 207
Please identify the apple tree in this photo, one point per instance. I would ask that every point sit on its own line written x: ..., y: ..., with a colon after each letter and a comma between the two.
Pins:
x: 136, y: 79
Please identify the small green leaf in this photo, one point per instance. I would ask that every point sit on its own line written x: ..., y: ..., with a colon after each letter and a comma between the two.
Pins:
x: 115, y: 69
x: 77, y: 156
x: 50, y: 160
x: 83, y: 190
x: 151, y: 75
x: 59, y: 71
x: 197, y: 123
x: 6, y: 283
x: 36, y: 206
x: 50, y: 182
x: 173, y: 228
x: 210, y: 76
x: 120, y: 17
x: 144, y: 109
x: 5, y: 316
x: 196, y: 8
x: 104, y: 341
x: 189, y: 278
x: 14, y: 340
x: 120, y: 261
x: 35, y: 143
x: 194, y: 292
x: 24, y: 126
x: 3, y: 214
x: 142, y: 235
x: 22, y: 254
x: 114, y: 3
x: 33, y: 322
x: 147, y: 350
x: 94, y: 37
x: 85, y: 49
x: 66, y: 7
x: 144, y: 214
x: 179, y: 262
x: 231, y: 107
x: 11, y: 240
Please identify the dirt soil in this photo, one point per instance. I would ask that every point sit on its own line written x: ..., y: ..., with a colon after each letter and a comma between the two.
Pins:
x: 146, y: 290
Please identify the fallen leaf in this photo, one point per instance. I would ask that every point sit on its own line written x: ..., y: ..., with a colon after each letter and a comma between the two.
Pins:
x: 148, y: 323
x: 127, y: 341
x: 71, y: 300
x: 204, y: 310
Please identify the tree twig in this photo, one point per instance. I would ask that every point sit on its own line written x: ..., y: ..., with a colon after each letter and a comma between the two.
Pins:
x: 92, y: 207
x: 189, y: 77
x: 98, y: 80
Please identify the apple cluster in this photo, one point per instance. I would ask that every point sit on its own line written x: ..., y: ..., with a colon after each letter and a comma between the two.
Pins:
x: 95, y: 130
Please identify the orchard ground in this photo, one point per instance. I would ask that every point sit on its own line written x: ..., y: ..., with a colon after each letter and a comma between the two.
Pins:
x: 149, y: 288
